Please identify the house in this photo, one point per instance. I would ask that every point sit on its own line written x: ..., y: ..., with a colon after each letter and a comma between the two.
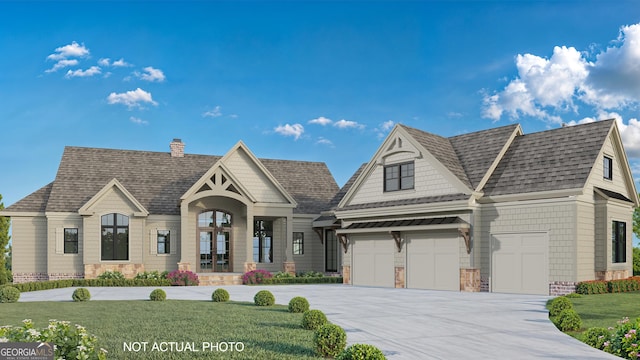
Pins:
x: 134, y: 211
x: 494, y: 210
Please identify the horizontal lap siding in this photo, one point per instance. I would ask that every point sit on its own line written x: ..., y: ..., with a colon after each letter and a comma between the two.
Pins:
x: 313, y: 256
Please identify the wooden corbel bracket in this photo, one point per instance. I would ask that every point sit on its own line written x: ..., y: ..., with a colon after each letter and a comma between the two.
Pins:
x: 466, y: 235
x: 318, y: 231
x: 344, y: 241
x: 396, y: 236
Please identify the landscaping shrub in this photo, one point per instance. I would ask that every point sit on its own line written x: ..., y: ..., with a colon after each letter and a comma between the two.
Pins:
x: 558, y: 304
x: 81, y: 294
x: 568, y: 320
x: 183, y: 278
x: 58, y: 284
x: 158, y: 295
x: 361, y: 352
x: 595, y: 337
x: 310, y: 273
x: 9, y: 294
x: 283, y: 275
x: 220, y: 295
x: 151, y: 275
x: 256, y: 277
x: 624, y: 339
x: 298, y: 305
x: 330, y: 340
x: 592, y: 287
x: 302, y: 280
x: 313, y: 319
x: 264, y: 298
x: 111, y: 275
x: 71, y: 341
x: 623, y: 285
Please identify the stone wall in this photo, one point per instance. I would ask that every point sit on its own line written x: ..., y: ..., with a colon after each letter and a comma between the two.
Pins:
x: 91, y: 271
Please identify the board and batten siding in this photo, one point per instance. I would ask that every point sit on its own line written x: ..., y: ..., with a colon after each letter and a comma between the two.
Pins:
x: 29, y: 237
x: 555, y: 216
x: 114, y: 201
x: 58, y: 262
x: 429, y: 181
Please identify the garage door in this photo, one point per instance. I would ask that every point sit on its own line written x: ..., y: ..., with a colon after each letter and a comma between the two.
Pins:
x: 373, y: 260
x: 433, y: 261
x: 520, y: 263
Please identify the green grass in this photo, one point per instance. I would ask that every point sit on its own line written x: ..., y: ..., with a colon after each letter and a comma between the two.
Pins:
x: 605, y: 310
x: 266, y: 332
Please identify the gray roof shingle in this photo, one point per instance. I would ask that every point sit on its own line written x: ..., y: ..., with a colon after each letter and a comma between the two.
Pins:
x: 35, y: 202
x: 556, y: 159
x: 158, y: 180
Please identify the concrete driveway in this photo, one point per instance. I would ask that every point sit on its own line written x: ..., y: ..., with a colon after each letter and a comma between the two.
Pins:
x: 406, y: 323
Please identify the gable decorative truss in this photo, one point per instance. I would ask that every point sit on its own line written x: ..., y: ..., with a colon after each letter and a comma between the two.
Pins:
x: 87, y: 208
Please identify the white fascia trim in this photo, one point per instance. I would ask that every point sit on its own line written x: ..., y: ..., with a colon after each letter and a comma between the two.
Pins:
x: 22, y: 214
x: 457, y: 206
x: 538, y: 195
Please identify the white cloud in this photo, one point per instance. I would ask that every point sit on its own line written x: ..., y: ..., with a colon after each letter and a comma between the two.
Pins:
x: 345, y: 124
x: 118, y: 63
x: 213, y: 113
x: 62, y: 64
x: 320, y: 121
x: 545, y: 88
x: 295, y: 130
x: 323, y: 141
x: 151, y: 74
x: 138, y: 121
x: 94, y: 70
x: 387, y: 125
x: 104, y: 62
x: 132, y: 99
x: 67, y: 51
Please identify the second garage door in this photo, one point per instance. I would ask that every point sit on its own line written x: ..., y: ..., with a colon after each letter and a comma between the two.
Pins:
x: 520, y: 263
x: 373, y: 260
x: 433, y: 260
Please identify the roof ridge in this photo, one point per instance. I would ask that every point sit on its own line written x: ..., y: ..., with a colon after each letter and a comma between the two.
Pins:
x: 592, y: 123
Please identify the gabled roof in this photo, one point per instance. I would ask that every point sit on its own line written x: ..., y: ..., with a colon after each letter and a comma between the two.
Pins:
x: 157, y: 180
x: 557, y: 159
x: 35, y: 202
x: 442, y: 149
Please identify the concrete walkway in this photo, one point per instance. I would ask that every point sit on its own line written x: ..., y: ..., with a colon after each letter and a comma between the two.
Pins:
x: 405, y: 323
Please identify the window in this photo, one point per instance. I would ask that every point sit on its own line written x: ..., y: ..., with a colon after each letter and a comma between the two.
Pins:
x: 398, y: 177
x: 608, y: 168
x: 164, y: 242
x: 71, y: 241
x: 619, y: 242
x: 263, y: 241
x: 115, y: 237
x: 298, y: 243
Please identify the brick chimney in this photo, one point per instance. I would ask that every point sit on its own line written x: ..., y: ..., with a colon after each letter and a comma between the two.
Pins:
x: 177, y: 148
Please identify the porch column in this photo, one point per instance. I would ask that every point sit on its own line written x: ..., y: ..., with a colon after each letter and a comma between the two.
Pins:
x: 289, y: 265
x: 249, y: 264
x: 186, y: 251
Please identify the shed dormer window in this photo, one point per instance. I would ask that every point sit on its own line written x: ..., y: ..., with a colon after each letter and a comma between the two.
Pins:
x: 399, y: 177
x: 608, y: 168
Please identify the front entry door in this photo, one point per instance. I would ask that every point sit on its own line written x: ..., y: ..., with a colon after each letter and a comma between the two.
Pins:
x: 214, y: 228
x: 330, y: 251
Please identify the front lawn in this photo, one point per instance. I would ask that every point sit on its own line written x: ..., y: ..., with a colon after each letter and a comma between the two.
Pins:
x: 605, y: 310
x: 265, y: 332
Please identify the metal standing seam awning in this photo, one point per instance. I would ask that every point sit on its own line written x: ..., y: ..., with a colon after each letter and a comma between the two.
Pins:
x: 394, y: 227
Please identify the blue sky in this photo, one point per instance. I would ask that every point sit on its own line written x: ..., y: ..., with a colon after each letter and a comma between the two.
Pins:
x: 320, y: 81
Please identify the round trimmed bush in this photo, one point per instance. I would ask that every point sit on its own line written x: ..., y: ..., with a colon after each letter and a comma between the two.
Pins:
x: 158, y: 295
x: 568, y: 320
x: 330, y: 340
x: 361, y: 352
x: 81, y: 294
x: 595, y: 337
x: 558, y: 304
x: 313, y: 319
x: 220, y: 295
x: 9, y: 294
x: 298, y: 305
x: 264, y: 298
